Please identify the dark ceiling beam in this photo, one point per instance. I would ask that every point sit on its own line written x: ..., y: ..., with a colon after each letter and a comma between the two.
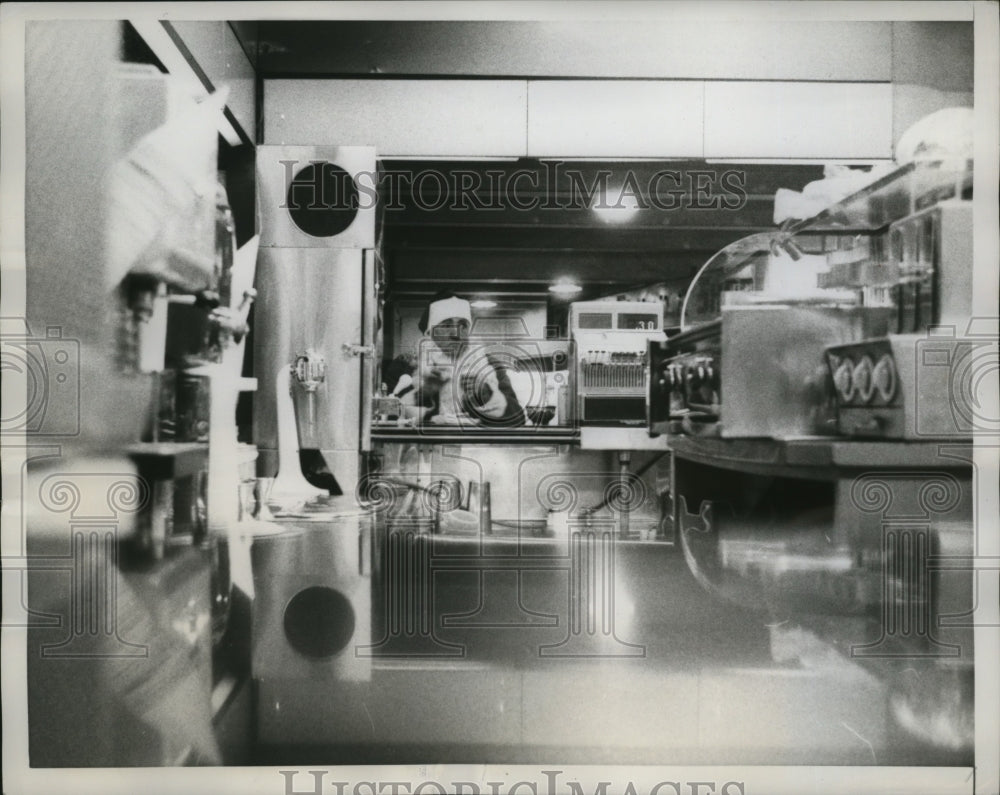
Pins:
x: 568, y: 179
x: 430, y: 200
x: 641, y: 222
x: 510, y: 267
x: 402, y: 223
x: 583, y: 239
x: 761, y: 177
x: 434, y: 251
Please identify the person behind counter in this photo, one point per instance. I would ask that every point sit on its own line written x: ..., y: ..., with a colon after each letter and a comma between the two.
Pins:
x: 457, y: 378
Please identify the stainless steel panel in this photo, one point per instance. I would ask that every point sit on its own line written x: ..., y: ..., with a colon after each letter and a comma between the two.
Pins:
x: 420, y: 704
x: 277, y: 166
x: 312, y: 611
x: 310, y: 298
x: 773, y: 368
x: 506, y: 605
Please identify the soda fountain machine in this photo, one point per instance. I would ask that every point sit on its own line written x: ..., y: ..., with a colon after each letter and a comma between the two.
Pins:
x: 314, y: 344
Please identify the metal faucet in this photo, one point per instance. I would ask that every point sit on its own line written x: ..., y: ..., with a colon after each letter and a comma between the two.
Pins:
x: 309, y: 371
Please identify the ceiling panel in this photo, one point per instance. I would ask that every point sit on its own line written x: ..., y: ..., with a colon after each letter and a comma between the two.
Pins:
x: 615, y: 118
x: 403, y: 118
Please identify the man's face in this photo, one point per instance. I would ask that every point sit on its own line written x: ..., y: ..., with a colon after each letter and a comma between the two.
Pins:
x: 448, y: 333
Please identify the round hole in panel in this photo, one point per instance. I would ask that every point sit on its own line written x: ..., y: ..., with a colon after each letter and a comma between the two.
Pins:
x: 323, y: 199
x: 319, y: 621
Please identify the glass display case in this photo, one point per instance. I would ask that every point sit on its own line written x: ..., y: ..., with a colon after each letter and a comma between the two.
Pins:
x: 805, y: 414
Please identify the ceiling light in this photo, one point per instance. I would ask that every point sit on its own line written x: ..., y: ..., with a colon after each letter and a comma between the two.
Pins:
x: 565, y: 288
x: 615, y: 206
x: 483, y: 303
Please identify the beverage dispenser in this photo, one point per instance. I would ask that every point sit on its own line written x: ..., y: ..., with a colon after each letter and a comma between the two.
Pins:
x: 314, y: 341
x: 314, y: 323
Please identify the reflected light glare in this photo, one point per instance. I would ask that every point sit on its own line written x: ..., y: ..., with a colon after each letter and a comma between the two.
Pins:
x: 483, y: 303
x: 615, y: 206
x: 565, y: 288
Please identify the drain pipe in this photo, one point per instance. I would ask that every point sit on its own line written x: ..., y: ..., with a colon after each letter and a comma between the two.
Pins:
x: 624, y: 459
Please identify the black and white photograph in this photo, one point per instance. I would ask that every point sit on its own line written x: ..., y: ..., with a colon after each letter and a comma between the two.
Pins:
x: 480, y: 398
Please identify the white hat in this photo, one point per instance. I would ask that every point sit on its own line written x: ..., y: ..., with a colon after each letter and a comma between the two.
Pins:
x: 448, y: 308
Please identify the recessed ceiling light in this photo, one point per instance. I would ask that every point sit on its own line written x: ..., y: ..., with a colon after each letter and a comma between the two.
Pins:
x: 483, y: 303
x: 615, y: 207
x: 565, y: 288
